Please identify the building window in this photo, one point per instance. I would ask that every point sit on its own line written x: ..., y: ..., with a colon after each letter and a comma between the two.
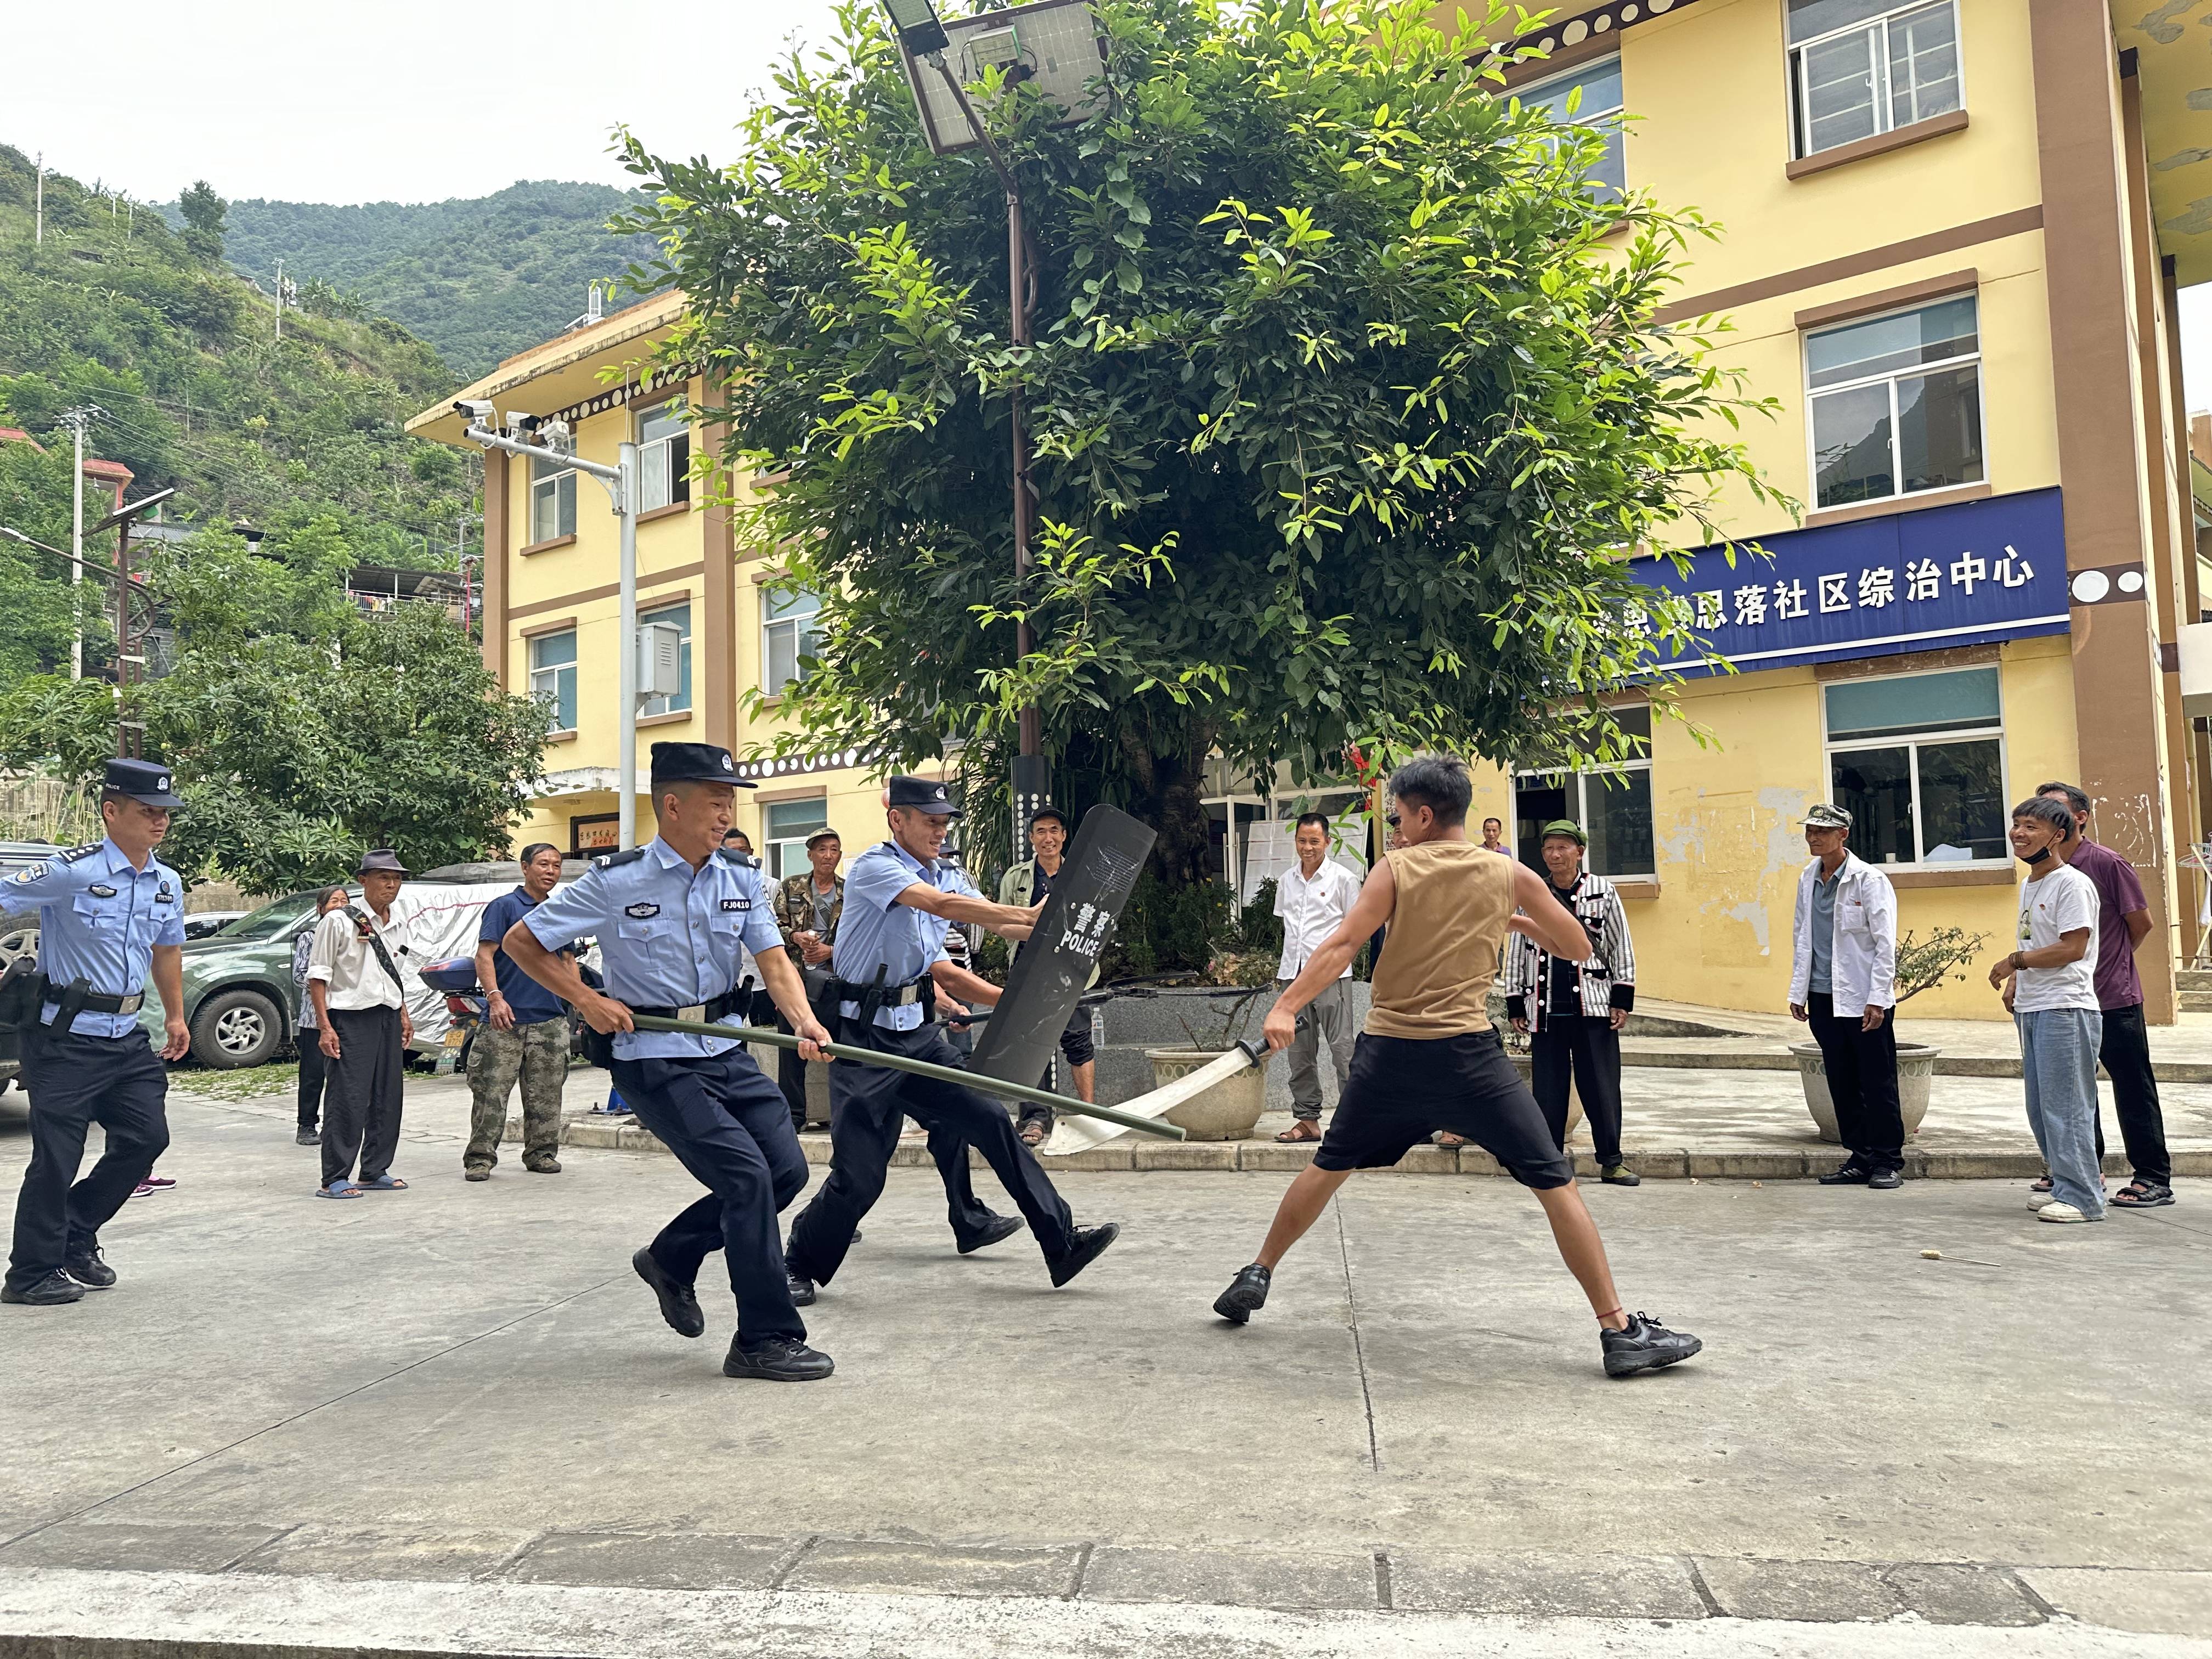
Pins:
x: 1917, y: 759
x: 664, y: 455
x: 1599, y: 107
x: 788, y: 635
x: 1861, y: 67
x: 784, y: 826
x: 1612, y: 802
x: 552, y: 498
x: 553, y: 675
x: 1896, y: 404
x: 680, y: 616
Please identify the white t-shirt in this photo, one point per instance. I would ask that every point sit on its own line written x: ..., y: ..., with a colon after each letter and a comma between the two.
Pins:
x: 2063, y: 901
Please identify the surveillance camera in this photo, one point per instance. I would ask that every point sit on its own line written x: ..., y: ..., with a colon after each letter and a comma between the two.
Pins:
x: 477, y: 411
x: 559, y: 436
x: 523, y: 425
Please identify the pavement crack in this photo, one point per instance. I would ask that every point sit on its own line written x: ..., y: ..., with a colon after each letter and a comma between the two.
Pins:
x: 1713, y: 1607
x: 1359, y: 1348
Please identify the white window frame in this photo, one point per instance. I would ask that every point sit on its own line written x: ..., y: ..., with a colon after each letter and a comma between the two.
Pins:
x: 1913, y: 743
x: 1579, y: 796
x: 662, y: 481
x: 770, y: 594
x: 1586, y: 116
x: 545, y: 681
x: 1801, y: 111
x: 554, y: 483
x: 671, y: 705
x: 1916, y: 370
x: 785, y: 855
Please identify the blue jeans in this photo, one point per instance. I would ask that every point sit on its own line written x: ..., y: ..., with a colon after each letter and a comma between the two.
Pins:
x: 2058, y: 1063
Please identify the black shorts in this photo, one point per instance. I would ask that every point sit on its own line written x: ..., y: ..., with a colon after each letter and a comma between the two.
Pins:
x: 1075, y: 1041
x: 1403, y: 1089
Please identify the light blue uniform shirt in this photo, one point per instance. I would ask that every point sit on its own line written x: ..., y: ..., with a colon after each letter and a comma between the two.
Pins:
x: 876, y: 930
x: 669, y: 936
x: 99, y: 920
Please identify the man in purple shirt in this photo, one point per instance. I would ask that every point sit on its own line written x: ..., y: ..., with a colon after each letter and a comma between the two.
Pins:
x: 2123, y: 922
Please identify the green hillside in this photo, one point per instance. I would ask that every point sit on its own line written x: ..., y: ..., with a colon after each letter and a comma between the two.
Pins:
x: 480, y: 279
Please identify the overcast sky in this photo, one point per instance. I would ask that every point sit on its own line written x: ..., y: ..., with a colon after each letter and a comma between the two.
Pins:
x: 412, y: 102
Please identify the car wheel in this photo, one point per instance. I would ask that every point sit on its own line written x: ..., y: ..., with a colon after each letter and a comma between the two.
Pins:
x: 235, y: 1029
x: 19, y: 936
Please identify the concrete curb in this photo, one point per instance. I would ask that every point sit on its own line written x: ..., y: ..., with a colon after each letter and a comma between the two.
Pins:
x: 2169, y: 1070
x: 1652, y: 1163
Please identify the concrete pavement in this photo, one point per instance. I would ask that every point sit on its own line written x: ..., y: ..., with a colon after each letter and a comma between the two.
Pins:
x: 461, y: 1391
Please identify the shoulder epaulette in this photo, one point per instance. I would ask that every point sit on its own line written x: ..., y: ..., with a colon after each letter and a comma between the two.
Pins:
x: 76, y: 853
x: 616, y: 860
x: 731, y: 855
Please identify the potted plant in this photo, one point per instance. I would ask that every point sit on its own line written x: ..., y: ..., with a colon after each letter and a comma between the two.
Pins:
x: 1229, y: 1110
x: 1922, y: 965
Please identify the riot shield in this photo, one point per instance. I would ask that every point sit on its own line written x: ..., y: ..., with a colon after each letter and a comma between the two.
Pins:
x: 1050, y: 976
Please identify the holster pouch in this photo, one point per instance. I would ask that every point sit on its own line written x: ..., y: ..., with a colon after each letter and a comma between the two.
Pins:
x: 22, y: 989
x: 598, y: 1047
x: 72, y: 1001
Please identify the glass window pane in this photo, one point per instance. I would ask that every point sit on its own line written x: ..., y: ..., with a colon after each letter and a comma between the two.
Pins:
x: 1962, y: 805
x: 1636, y: 723
x: 1874, y: 785
x: 549, y: 650
x: 1536, y: 802
x: 780, y: 652
x: 545, y: 512
x: 1963, y: 699
x: 1619, y: 827
x: 777, y: 604
x: 1836, y: 85
x: 1850, y: 445
x: 547, y: 466
x: 652, y: 477
x: 1939, y: 428
x: 663, y: 421
x: 1599, y: 83
x: 1809, y: 19
x: 1923, y: 64
x: 565, y: 490
x: 1886, y: 345
x: 786, y: 819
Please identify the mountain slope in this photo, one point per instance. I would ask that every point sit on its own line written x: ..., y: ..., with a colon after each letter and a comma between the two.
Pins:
x: 481, y: 279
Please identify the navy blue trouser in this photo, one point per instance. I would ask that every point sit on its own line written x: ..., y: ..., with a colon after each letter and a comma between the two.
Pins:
x: 729, y: 1126
x: 867, y: 1105
x: 75, y: 1082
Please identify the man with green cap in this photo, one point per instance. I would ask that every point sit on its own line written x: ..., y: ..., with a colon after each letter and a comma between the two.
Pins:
x: 1574, y: 1010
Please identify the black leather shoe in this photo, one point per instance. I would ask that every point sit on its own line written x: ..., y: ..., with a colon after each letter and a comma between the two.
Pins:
x: 89, y: 1271
x: 1089, y: 1244
x: 1246, y: 1295
x: 1847, y: 1175
x: 779, y: 1359
x: 1002, y: 1226
x: 308, y: 1138
x: 802, y: 1287
x: 48, y: 1293
x: 1645, y: 1346
x: 679, y: 1306
x: 1886, y: 1179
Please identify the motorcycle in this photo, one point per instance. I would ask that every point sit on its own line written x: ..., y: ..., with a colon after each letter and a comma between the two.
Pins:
x: 466, y: 1005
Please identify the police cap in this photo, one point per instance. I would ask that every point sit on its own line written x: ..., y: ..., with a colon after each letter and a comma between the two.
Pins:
x: 143, y: 780
x: 922, y: 795
x: 695, y: 763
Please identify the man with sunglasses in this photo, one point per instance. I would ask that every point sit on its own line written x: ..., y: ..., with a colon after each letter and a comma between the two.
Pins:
x: 1430, y: 1058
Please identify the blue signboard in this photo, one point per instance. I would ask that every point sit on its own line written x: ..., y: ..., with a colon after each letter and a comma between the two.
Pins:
x: 1975, y: 571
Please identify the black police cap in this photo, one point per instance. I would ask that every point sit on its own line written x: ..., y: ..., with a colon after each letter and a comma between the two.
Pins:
x: 695, y: 763
x: 143, y: 780
x: 923, y: 795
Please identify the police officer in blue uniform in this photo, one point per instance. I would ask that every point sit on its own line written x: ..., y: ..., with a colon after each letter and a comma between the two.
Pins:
x: 672, y: 919
x: 900, y: 898
x: 108, y: 912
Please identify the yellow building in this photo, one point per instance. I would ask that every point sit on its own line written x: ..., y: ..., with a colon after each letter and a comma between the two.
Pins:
x: 551, y: 602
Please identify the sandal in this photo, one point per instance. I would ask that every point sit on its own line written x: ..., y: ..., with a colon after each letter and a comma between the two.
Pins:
x: 1446, y: 1137
x: 1297, y: 1132
x: 1032, y: 1134
x: 383, y: 1183
x: 2040, y: 1185
x: 338, y: 1189
x: 2141, y: 1194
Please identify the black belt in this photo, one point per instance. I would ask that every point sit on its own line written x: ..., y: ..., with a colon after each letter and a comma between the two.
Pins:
x: 886, y: 996
x: 730, y: 1002
x: 89, y: 1001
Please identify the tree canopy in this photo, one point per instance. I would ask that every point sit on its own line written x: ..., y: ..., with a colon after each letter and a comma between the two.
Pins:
x: 1347, y: 400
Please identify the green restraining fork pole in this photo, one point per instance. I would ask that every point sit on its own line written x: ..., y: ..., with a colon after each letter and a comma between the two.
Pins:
x: 919, y: 1068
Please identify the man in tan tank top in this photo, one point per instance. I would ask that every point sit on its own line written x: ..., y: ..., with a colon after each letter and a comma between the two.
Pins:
x: 1429, y: 1058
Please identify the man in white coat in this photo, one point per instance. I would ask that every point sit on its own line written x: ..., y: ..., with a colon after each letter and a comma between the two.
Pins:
x: 1843, y: 975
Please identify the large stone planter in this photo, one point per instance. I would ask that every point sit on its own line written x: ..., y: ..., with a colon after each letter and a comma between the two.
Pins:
x: 1526, y: 1065
x: 1915, y: 1066
x: 1226, y: 1111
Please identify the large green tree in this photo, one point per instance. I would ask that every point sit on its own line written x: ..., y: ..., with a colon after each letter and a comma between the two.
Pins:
x: 1347, y: 399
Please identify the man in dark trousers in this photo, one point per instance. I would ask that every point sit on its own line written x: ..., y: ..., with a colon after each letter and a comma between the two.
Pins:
x: 674, y: 919
x: 360, y: 1014
x: 108, y: 912
x: 2122, y: 923
x: 900, y: 897
x: 1024, y: 884
x: 1843, y: 975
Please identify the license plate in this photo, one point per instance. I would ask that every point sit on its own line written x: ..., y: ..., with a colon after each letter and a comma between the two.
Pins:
x: 455, y: 1037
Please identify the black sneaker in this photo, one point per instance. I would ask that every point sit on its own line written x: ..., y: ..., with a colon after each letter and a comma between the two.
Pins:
x: 1002, y: 1226
x: 1090, y: 1243
x: 679, y: 1305
x: 802, y: 1287
x: 1885, y: 1180
x: 48, y: 1293
x: 779, y: 1359
x: 308, y: 1138
x: 89, y: 1271
x: 1246, y: 1295
x: 1644, y: 1345
x: 1847, y: 1174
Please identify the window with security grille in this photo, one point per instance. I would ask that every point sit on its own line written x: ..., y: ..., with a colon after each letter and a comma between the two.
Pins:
x: 1858, y: 67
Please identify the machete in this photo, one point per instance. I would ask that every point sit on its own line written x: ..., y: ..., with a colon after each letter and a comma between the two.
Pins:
x: 1069, y: 1135
x: 1140, y: 1121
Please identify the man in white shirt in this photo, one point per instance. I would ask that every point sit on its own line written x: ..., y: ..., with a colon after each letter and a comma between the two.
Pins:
x: 360, y: 1010
x: 1313, y: 901
x: 2049, y: 986
x: 1842, y: 979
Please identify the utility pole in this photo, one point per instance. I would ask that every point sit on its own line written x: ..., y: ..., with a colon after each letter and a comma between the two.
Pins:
x: 38, y: 214
x: 280, y: 303
x: 76, y: 420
